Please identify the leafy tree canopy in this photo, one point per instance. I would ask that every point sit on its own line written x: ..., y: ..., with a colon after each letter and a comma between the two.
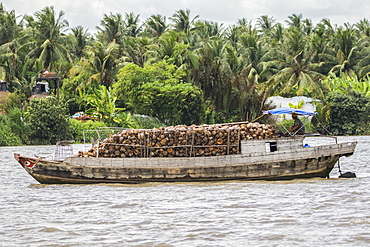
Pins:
x: 349, y: 113
x: 48, y: 121
x: 157, y: 90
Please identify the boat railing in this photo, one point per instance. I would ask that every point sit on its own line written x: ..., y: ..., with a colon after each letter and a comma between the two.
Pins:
x: 319, y: 140
x: 63, y: 150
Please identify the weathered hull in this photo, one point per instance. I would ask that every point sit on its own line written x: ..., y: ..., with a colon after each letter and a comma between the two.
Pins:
x: 293, y: 163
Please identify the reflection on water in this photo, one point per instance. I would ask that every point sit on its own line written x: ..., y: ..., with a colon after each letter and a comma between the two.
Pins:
x: 307, y: 212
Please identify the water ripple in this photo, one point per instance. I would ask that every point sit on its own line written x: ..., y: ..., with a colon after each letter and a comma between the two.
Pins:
x: 312, y: 212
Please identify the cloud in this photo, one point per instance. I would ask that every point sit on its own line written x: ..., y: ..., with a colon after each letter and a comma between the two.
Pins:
x: 89, y: 13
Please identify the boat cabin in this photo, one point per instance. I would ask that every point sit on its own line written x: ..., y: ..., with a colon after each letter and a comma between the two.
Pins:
x: 271, y: 145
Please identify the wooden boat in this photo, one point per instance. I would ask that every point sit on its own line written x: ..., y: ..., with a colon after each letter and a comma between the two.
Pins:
x: 265, y: 159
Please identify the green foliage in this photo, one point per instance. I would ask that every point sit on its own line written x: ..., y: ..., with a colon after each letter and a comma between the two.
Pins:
x: 235, y: 68
x: 321, y: 121
x: 102, y: 103
x: 298, y: 106
x: 16, y: 121
x: 157, y: 90
x: 103, y: 106
x: 7, y: 136
x: 77, y: 128
x: 14, y: 100
x: 48, y: 121
x: 145, y: 122
x: 70, y: 94
x: 122, y: 119
x: 344, y: 83
x: 349, y: 113
x: 285, y: 124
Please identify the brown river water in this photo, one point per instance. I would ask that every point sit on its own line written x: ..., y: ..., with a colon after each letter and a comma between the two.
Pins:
x: 307, y: 212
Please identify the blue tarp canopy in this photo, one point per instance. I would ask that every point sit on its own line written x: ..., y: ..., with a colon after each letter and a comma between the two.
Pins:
x: 285, y: 110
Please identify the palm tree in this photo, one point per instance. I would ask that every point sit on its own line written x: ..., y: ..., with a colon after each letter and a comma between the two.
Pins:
x: 100, y: 65
x: 298, y: 77
x: 81, y: 40
x: 156, y: 25
x: 212, y: 67
x: 363, y: 27
x: 48, y: 47
x: 10, y: 40
x: 9, y: 28
x: 182, y: 22
x: 165, y: 46
x: 296, y: 72
x: 131, y: 25
x: 207, y: 29
x: 265, y: 23
x: 348, y: 51
x: 135, y: 50
x: 111, y: 28
x: 295, y: 21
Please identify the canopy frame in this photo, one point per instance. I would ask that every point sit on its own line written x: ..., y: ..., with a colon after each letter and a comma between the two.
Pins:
x: 286, y: 110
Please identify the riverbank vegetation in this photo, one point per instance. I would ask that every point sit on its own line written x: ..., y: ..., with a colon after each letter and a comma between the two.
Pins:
x: 177, y: 70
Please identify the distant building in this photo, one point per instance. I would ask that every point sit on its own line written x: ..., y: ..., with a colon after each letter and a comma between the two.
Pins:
x: 42, y: 90
x: 3, y: 86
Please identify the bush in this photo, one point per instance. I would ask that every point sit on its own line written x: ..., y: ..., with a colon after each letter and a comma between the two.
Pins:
x: 13, y: 100
x: 7, y: 137
x: 77, y: 128
x: 158, y: 90
x: 349, y: 113
x: 15, y: 120
x: 48, y: 121
x: 145, y: 122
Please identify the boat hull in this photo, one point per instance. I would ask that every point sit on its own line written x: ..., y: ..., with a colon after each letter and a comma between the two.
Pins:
x: 285, y: 164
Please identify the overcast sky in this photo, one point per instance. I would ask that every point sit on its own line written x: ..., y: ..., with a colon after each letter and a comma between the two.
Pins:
x: 89, y: 13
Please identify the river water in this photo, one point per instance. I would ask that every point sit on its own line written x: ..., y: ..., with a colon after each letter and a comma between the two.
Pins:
x: 307, y: 212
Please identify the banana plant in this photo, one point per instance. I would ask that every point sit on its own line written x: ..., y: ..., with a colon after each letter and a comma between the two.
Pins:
x: 103, y: 107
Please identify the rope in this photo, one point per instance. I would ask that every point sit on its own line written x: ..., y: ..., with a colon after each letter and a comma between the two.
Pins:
x: 318, y: 120
x: 257, y: 118
x: 340, y: 172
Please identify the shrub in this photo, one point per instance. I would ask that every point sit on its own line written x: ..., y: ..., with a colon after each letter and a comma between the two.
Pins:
x: 349, y: 113
x: 158, y: 90
x: 77, y: 128
x: 7, y: 137
x: 48, y: 121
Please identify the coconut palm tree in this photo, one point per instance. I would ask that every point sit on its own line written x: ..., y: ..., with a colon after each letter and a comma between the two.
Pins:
x: 363, y: 27
x: 155, y: 25
x: 111, y: 28
x: 135, y: 50
x: 82, y: 38
x: 100, y: 65
x: 348, y: 51
x: 131, y: 25
x: 182, y: 21
x: 265, y: 24
x: 48, y: 48
x: 11, y: 37
x: 295, y: 21
x: 296, y: 72
x: 9, y: 27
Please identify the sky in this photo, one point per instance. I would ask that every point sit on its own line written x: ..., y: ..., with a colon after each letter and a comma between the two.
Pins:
x: 89, y: 13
